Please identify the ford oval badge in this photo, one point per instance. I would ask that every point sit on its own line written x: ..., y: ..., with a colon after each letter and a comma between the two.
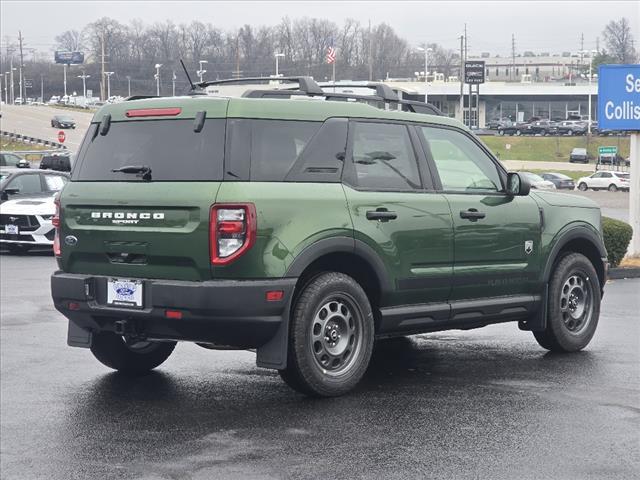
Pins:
x: 70, y: 240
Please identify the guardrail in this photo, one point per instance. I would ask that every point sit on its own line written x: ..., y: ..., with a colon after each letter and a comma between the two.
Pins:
x: 35, y: 140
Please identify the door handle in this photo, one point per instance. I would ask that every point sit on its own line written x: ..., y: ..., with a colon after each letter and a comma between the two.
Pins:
x: 472, y: 214
x: 381, y: 214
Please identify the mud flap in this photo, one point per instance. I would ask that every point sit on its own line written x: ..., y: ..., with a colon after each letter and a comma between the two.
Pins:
x: 78, y: 336
x: 538, y: 321
x: 273, y: 354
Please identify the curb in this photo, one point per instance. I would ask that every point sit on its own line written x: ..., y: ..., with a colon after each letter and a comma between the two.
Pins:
x: 621, y: 273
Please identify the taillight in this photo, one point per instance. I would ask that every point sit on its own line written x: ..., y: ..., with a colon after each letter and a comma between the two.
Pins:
x: 55, y: 221
x: 232, y: 231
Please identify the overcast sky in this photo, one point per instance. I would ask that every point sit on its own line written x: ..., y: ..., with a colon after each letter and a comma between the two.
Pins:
x: 538, y: 25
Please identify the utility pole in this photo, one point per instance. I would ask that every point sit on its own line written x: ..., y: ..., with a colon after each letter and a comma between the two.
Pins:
x: 236, y: 74
x: 102, y: 72
x: 581, y: 49
x: 128, y: 85
x: 370, y: 54
x: 598, y: 45
x: 513, y: 57
x: 22, y: 91
x: 461, y: 74
x: 173, y: 84
x: 42, y: 88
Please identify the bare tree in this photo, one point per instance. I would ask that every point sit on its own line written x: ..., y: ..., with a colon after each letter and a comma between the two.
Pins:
x: 619, y: 40
x: 70, y: 41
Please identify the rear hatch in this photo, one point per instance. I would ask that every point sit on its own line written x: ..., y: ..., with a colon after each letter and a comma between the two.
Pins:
x: 151, y: 218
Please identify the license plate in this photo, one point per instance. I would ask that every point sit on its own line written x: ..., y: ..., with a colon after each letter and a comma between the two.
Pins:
x: 124, y: 292
x: 11, y: 229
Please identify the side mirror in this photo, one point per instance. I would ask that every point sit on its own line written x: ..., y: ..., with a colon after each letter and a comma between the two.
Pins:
x: 517, y: 185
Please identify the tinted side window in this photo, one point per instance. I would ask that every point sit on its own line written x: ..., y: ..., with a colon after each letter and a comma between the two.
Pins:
x: 265, y: 150
x: 323, y: 158
x: 383, y: 157
x: 27, y: 184
x: 461, y: 164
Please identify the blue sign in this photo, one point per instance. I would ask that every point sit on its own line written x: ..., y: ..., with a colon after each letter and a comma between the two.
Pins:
x: 619, y: 97
x: 69, y: 58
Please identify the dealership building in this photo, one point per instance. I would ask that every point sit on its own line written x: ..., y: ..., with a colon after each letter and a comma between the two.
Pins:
x: 517, y: 101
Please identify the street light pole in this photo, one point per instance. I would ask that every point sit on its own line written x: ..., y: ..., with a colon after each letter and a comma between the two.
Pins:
x: 42, y: 88
x: 108, y: 75
x: 84, y: 77
x: 201, y: 71
x: 157, y: 77
x: 128, y: 85
x: 278, y: 55
x: 173, y: 84
x: 6, y: 87
x: 426, y: 69
x: 64, y: 70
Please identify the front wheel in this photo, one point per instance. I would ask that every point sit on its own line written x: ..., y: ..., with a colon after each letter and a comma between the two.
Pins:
x: 612, y: 188
x: 501, y: 132
x: 573, y: 305
x: 518, y: 133
x: 129, y: 357
x: 583, y: 187
x: 331, y: 337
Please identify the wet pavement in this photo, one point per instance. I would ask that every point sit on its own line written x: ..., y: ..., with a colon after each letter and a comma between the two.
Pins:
x: 485, y: 403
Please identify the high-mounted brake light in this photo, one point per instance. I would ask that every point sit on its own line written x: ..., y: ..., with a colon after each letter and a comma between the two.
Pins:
x: 232, y: 231
x: 55, y: 221
x: 154, y: 112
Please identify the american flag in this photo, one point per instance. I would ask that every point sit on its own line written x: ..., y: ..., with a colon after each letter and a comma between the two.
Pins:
x: 331, y: 55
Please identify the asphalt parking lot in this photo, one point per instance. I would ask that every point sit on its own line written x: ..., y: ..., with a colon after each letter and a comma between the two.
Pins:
x: 485, y: 403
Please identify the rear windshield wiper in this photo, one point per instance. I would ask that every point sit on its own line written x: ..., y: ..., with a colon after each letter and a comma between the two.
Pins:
x: 144, y: 171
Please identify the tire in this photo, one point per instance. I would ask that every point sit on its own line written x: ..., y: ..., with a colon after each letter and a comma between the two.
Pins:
x: 112, y: 350
x: 543, y: 133
x: 573, y: 305
x: 583, y: 187
x: 612, y: 188
x: 331, y: 337
x: 570, y: 132
x: 17, y: 249
x: 518, y: 133
x: 501, y: 132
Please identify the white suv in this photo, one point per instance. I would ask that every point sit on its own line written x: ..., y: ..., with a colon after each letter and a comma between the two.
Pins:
x: 612, y: 181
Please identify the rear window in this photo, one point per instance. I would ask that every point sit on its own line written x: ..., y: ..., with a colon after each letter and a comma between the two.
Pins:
x: 171, y: 148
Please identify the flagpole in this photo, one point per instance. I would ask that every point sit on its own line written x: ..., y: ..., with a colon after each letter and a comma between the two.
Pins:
x: 334, y: 76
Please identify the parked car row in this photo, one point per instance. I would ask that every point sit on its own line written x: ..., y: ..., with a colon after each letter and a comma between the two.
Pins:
x: 544, y: 127
x: 602, y: 180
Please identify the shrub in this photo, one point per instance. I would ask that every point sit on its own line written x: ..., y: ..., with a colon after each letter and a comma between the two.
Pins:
x: 617, y: 236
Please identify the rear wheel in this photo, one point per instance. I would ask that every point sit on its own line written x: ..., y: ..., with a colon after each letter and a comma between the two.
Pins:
x: 583, y: 187
x: 331, y: 337
x: 518, y: 133
x: 129, y: 357
x: 612, y: 188
x: 500, y: 132
x: 570, y: 132
x: 573, y: 305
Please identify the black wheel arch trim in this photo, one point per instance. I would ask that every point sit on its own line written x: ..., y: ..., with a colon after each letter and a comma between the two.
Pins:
x: 576, y: 232
x: 342, y: 244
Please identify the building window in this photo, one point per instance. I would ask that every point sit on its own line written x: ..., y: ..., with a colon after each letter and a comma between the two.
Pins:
x: 487, y: 73
x: 497, y: 72
x: 517, y: 71
x: 526, y: 70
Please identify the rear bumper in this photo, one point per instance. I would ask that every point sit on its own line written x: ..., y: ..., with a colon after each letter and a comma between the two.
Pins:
x: 225, y: 312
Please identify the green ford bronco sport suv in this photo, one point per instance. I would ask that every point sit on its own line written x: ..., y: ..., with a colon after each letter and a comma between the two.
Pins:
x: 306, y: 225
